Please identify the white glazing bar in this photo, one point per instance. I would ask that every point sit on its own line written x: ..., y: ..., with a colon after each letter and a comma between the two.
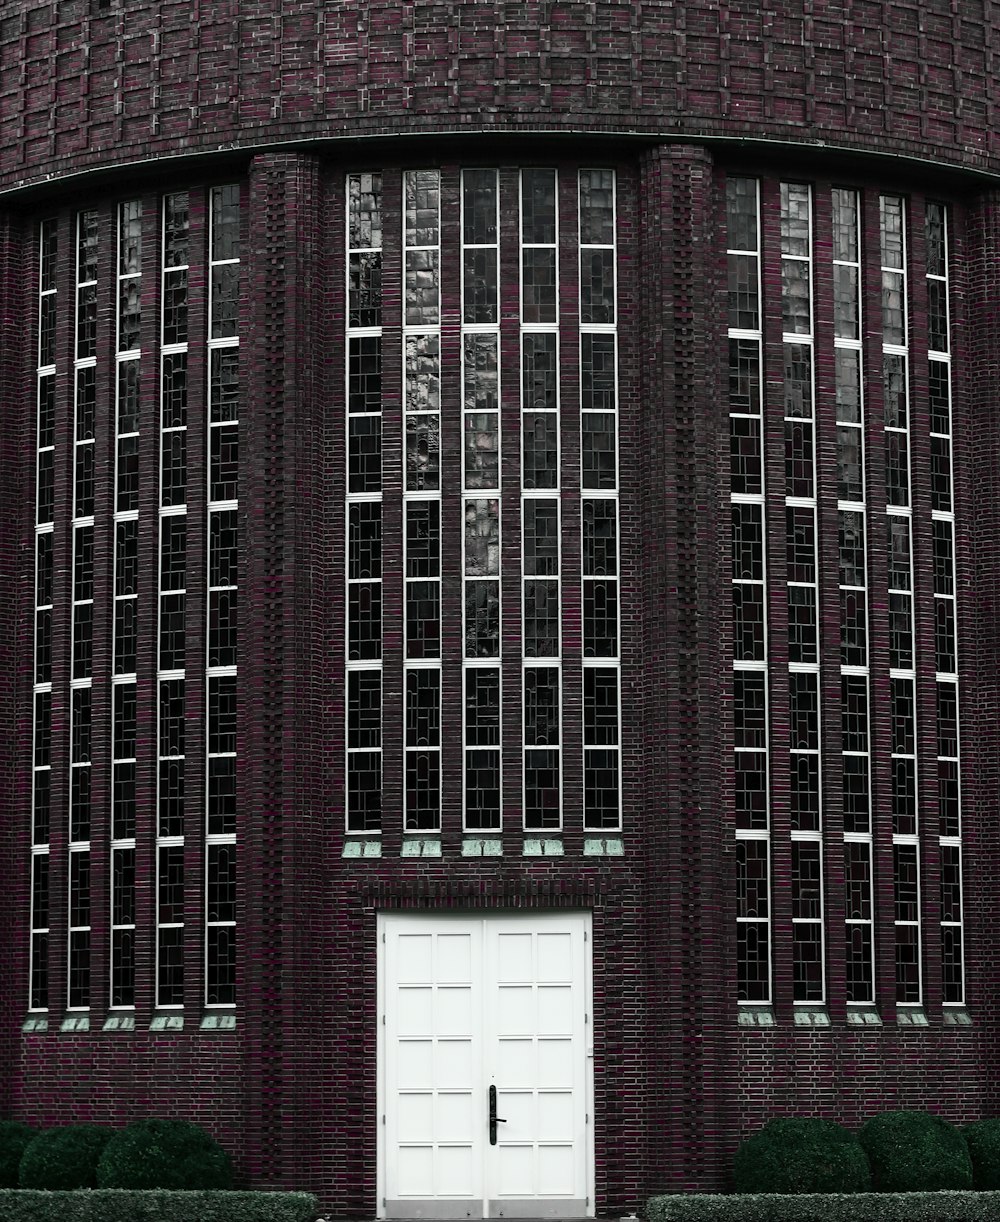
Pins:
x: 172, y: 599
x: 38, y: 966
x: 422, y: 500
x: 902, y: 659
x: 945, y: 606
x: 802, y: 569
x: 121, y: 888
x: 541, y: 523
x: 481, y: 527
x: 749, y: 575
x: 363, y: 709
x: 601, y: 570
x: 220, y: 878
x: 852, y: 520
x: 81, y: 654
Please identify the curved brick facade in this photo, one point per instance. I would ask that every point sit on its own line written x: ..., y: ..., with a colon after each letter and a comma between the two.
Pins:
x: 80, y: 83
x: 107, y: 102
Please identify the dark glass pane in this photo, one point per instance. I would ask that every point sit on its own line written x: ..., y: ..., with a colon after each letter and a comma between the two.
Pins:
x: 221, y: 796
x: 226, y: 222
x: 170, y: 967
x: 364, y: 791
x: 225, y: 300
x: 482, y: 707
x: 482, y: 790
x: 220, y: 966
x: 601, y: 800
x: 364, y: 454
x: 221, y: 889
x: 423, y: 708
x: 224, y: 385
x: 541, y: 790
x: 750, y: 794
x: 364, y: 709
x: 423, y: 791
x: 752, y: 961
x: 222, y: 714
x: 538, y: 206
x: 365, y: 289
x: 752, y: 899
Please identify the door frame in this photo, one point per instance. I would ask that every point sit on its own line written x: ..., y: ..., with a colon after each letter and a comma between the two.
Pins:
x: 456, y: 1209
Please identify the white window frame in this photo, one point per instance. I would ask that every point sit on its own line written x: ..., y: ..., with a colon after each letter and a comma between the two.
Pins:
x: 546, y: 494
x: 358, y: 665
x: 597, y: 494
x: 214, y: 344
x: 481, y: 494
x: 756, y: 335
x: 409, y: 498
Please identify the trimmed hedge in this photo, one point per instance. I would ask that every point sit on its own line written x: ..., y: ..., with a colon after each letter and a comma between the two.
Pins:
x: 915, y: 1152
x: 170, y: 1154
x: 14, y: 1140
x: 829, y: 1207
x: 983, y: 1140
x: 111, y: 1205
x: 64, y: 1158
x: 801, y: 1155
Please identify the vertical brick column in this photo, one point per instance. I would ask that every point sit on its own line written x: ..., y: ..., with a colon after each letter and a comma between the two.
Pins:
x: 685, y: 746
x: 976, y: 422
x: 16, y: 629
x: 278, y: 810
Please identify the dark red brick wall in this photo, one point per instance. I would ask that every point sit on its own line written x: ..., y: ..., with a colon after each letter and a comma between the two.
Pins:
x: 83, y: 85
x: 115, y: 1077
x: 292, y: 1091
x: 849, y: 1075
x: 977, y: 464
x: 16, y: 594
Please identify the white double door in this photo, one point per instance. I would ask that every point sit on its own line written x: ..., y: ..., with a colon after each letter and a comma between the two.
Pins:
x: 470, y: 1003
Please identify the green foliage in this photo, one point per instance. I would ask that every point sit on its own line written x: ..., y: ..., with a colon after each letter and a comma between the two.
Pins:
x: 983, y: 1140
x: 915, y: 1152
x: 14, y: 1138
x: 118, y: 1206
x: 64, y: 1158
x: 829, y: 1207
x: 801, y: 1155
x: 164, y: 1154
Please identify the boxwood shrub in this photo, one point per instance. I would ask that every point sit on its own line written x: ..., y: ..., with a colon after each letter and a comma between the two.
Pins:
x: 65, y: 1157
x: 829, y: 1207
x: 14, y: 1139
x: 801, y: 1155
x: 983, y: 1140
x: 164, y: 1154
x: 110, y: 1205
x: 915, y: 1152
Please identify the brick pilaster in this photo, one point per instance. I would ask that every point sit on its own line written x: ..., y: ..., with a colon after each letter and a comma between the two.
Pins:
x: 278, y: 355
x: 685, y: 540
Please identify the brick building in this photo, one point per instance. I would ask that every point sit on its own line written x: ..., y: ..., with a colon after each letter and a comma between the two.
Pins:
x: 498, y: 582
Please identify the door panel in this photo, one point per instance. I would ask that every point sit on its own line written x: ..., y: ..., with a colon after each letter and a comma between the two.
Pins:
x: 474, y: 1002
x: 536, y: 1005
x: 433, y: 1071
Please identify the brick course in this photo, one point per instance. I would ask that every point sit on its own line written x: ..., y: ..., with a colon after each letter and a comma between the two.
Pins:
x: 84, y: 85
x: 282, y: 96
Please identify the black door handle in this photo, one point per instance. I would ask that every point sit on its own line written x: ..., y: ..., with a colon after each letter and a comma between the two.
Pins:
x: 494, y: 1118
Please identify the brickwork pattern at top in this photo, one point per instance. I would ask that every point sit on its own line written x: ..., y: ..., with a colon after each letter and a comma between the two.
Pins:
x: 84, y: 86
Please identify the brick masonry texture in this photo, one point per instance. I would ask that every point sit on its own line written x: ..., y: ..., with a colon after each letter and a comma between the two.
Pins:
x: 282, y: 97
x: 86, y: 84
